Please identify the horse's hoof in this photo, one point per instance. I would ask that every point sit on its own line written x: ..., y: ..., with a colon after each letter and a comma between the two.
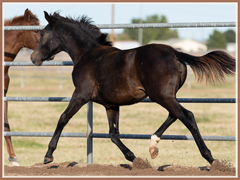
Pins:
x: 47, y: 160
x: 13, y: 161
x: 15, y: 164
x: 153, y: 151
x: 215, y: 161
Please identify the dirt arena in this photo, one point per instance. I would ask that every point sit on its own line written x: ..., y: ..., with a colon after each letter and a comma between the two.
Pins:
x: 138, y: 168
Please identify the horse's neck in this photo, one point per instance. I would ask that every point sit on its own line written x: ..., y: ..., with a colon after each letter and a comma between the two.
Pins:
x: 74, y: 49
x: 12, y: 45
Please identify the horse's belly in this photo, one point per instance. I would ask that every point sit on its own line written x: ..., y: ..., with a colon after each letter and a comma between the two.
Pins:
x: 126, y: 99
x: 120, y: 97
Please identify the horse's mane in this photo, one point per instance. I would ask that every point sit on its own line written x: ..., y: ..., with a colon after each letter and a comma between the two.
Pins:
x: 85, y: 26
x: 19, y: 20
x: 9, y: 22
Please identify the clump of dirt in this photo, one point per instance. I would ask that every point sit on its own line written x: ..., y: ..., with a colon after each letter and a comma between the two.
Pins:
x: 141, y: 163
x: 223, y: 166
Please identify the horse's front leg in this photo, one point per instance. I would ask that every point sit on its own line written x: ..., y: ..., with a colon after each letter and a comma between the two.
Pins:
x: 113, y: 120
x: 76, y: 102
x: 12, y: 157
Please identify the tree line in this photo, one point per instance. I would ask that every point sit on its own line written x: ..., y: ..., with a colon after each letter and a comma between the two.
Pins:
x: 217, y: 40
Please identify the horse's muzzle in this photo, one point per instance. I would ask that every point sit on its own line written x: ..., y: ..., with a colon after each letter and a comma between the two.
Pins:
x: 36, y: 60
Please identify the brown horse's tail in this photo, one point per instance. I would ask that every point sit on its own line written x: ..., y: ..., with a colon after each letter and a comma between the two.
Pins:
x: 212, y: 65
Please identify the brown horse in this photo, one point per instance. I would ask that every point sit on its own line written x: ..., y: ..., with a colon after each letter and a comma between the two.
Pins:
x: 14, y: 41
x: 114, y: 77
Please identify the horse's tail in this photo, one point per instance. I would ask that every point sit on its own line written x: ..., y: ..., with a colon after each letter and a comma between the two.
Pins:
x: 212, y: 65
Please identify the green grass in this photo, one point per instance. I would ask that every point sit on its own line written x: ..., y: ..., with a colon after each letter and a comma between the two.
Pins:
x: 27, y: 143
x: 143, y: 118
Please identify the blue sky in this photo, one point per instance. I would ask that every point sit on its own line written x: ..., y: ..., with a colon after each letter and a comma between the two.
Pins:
x: 124, y: 12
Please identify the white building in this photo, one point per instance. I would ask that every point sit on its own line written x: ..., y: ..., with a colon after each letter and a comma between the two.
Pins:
x: 231, y: 47
x: 186, y: 45
x: 126, y: 44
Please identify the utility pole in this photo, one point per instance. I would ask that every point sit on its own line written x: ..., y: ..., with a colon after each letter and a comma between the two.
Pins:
x: 112, y: 22
x: 140, y: 30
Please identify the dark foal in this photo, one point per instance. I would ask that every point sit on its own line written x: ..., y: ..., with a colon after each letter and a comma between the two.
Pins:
x: 14, y: 41
x: 114, y: 77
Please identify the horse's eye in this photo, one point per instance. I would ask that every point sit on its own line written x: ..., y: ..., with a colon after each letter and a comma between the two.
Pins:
x: 36, y: 32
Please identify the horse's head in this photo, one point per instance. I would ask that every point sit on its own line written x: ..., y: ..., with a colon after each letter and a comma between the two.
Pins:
x: 49, y: 44
x: 30, y: 38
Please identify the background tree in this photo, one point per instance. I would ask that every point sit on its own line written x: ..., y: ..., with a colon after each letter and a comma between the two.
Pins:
x: 151, y: 33
x: 230, y: 35
x: 217, y: 40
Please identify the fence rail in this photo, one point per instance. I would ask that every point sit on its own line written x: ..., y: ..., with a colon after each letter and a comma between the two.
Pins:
x: 67, y: 99
x: 122, y: 136
x: 89, y: 133
x: 140, y: 25
x: 45, y: 63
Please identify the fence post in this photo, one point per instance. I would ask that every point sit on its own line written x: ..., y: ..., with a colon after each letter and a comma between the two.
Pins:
x: 89, y: 132
x: 22, y: 78
x: 60, y: 79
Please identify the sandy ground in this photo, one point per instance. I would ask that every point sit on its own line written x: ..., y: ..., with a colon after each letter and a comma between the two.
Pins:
x: 138, y: 168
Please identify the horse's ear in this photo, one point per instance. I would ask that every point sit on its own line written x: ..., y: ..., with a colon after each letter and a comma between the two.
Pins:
x: 50, y: 19
x: 27, y: 15
x: 47, y: 17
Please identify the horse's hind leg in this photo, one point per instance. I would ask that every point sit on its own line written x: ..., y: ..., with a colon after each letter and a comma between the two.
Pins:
x: 187, y: 118
x: 155, y: 138
x: 74, y: 105
x: 113, y: 120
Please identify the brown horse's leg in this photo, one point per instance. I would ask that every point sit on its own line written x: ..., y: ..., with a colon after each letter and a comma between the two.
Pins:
x: 155, y: 138
x: 12, y: 157
x: 113, y: 120
x: 74, y: 105
x: 187, y: 118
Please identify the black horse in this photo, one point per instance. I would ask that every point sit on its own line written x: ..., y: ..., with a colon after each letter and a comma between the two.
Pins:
x: 114, y: 77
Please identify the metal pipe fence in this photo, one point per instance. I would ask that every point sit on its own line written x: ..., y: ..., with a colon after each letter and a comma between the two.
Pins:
x: 67, y: 99
x: 89, y: 134
x: 139, y: 25
x: 122, y: 136
x: 45, y: 63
